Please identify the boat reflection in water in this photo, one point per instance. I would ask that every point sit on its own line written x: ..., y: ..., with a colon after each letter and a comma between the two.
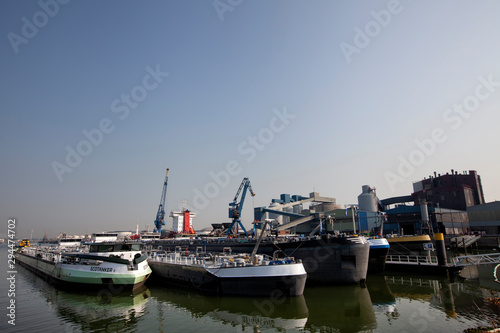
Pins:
x: 463, y: 303
x: 105, y: 309
x: 259, y: 312
x: 382, y: 298
x: 321, y: 308
x: 92, y: 312
x: 342, y: 308
x: 388, y: 303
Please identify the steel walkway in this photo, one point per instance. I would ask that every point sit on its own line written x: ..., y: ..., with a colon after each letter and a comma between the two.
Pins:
x: 479, y: 259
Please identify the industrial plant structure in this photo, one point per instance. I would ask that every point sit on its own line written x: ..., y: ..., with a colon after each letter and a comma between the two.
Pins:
x: 438, y: 204
x: 451, y: 190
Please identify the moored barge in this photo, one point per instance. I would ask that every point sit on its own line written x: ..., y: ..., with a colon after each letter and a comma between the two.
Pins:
x: 104, y: 264
x: 327, y: 259
x: 229, y: 274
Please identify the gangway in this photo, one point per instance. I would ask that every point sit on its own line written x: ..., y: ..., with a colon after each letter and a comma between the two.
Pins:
x: 478, y: 259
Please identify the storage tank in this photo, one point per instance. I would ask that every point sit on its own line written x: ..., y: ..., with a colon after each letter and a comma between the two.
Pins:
x: 329, y: 206
x: 286, y: 219
x: 367, y: 200
x: 278, y: 217
x: 297, y: 209
x: 424, y: 212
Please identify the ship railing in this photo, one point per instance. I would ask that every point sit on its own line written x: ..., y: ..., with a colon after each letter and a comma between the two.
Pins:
x: 181, y: 249
x: 180, y: 257
x: 45, y: 253
x: 408, y: 259
x: 201, y: 259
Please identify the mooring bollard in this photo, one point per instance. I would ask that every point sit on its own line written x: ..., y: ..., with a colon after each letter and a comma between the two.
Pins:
x: 440, y: 249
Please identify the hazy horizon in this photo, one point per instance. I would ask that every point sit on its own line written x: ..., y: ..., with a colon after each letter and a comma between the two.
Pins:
x: 99, y: 98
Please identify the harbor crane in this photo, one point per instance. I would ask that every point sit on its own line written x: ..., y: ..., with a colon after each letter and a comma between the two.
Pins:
x: 235, y: 207
x: 160, y: 215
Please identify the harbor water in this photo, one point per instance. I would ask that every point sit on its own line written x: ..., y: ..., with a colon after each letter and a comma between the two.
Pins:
x: 388, y: 303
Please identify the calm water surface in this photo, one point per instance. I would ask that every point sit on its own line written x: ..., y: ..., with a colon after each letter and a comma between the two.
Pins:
x: 390, y: 303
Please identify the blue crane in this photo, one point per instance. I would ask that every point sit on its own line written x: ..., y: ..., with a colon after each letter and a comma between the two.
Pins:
x: 235, y: 207
x: 161, y: 209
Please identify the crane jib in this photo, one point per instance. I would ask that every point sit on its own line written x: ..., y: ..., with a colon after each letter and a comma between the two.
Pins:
x: 235, y: 207
x: 159, y: 221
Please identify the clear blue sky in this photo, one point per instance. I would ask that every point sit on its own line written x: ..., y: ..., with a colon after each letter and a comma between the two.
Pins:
x: 297, y: 95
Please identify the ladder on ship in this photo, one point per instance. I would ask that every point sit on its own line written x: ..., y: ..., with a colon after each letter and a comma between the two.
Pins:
x: 464, y: 241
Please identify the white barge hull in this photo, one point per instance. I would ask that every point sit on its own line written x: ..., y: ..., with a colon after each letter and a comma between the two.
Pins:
x: 90, y: 276
x: 279, y: 280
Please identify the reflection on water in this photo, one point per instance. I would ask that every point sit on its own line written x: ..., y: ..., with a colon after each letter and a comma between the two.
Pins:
x: 383, y: 300
x: 245, y: 312
x: 486, y: 275
x: 437, y: 303
x: 390, y: 303
x: 340, y: 309
x: 96, y: 311
x: 103, y: 311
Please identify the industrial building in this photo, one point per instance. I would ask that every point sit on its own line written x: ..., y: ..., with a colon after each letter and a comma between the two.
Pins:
x: 444, y: 198
x: 291, y: 215
x: 485, y: 218
x: 452, y: 190
x: 322, y: 214
x: 182, y: 221
x: 440, y: 203
x: 407, y: 220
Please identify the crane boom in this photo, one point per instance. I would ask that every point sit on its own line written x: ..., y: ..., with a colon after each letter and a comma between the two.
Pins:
x: 160, y: 215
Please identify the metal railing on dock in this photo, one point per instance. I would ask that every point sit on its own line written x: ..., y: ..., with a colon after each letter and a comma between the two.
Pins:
x: 411, y: 281
x: 411, y: 260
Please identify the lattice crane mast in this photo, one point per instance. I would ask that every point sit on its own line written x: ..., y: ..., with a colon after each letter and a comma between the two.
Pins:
x: 160, y: 215
x: 235, y: 207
